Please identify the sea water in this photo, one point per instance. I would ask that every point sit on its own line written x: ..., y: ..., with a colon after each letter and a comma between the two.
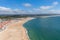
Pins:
x: 43, y: 28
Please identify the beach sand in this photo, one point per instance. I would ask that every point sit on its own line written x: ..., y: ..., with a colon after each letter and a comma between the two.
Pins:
x: 15, y: 30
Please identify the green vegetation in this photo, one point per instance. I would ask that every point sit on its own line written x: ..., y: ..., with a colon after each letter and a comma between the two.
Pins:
x: 10, y: 17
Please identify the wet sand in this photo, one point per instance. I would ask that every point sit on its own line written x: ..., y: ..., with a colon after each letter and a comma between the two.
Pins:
x: 15, y: 30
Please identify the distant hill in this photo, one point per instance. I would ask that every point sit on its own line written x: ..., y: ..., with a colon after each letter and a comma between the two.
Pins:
x: 24, y: 15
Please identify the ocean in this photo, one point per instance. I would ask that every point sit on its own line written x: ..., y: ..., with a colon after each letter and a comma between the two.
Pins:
x: 44, y: 28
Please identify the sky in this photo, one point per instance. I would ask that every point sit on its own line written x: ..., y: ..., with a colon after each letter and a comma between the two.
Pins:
x: 29, y: 6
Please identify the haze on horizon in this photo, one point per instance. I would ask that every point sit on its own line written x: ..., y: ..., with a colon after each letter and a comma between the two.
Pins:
x: 29, y: 7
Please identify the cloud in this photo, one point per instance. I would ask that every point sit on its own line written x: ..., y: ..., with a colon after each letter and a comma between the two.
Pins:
x: 5, y: 10
x: 27, y: 5
x: 51, y: 11
x: 19, y: 11
x: 41, y: 10
x: 55, y: 3
x: 45, y: 7
x: 55, y: 11
x: 49, y: 7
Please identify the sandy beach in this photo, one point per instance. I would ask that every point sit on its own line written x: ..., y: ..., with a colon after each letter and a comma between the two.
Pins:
x: 15, y: 30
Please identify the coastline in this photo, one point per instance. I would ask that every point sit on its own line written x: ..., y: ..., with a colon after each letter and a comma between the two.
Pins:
x: 15, y: 31
x: 49, y: 16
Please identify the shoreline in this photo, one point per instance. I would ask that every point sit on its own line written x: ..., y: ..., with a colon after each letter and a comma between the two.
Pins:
x: 12, y: 28
x: 49, y: 16
x: 26, y: 29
